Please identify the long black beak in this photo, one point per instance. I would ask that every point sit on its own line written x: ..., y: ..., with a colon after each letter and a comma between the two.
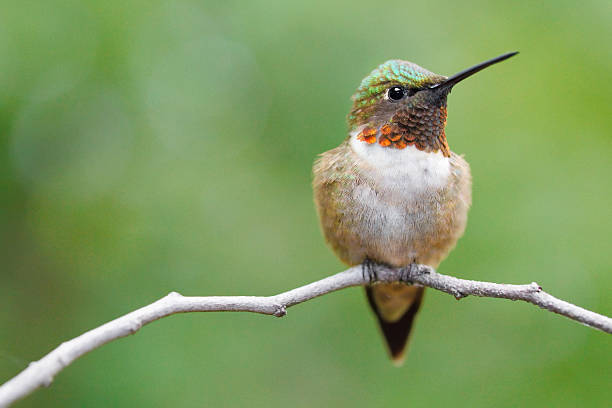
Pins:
x: 452, y: 81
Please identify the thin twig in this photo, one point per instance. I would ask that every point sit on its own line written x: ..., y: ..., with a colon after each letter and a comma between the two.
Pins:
x: 40, y: 373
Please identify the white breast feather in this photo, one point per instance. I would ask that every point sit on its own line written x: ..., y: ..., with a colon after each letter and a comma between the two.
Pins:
x: 406, y: 171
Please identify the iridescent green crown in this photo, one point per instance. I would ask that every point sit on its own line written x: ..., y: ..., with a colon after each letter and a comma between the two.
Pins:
x: 392, y: 72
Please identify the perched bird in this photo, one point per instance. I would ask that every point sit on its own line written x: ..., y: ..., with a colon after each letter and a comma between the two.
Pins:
x: 393, y: 192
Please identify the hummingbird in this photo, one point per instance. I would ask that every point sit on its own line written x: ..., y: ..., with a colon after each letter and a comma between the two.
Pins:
x: 393, y: 193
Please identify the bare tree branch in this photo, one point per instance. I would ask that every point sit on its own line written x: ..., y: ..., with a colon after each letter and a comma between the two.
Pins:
x: 40, y: 373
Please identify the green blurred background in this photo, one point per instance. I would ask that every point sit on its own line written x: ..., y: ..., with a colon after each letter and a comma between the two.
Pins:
x: 151, y: 146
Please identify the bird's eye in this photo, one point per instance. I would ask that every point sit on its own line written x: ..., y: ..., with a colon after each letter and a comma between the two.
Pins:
x: 396, y: 93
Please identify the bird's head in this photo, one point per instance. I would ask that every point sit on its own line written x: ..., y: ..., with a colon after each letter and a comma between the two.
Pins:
x: 401, y: 104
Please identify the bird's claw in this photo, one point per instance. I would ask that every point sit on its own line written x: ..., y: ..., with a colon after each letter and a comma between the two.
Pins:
x: 408, y: 273
x: 368, y: 269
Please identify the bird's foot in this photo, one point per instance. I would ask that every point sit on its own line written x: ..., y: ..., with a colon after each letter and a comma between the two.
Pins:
x: 408, y: 273
x: 368, y: 270
x: 377, y: 271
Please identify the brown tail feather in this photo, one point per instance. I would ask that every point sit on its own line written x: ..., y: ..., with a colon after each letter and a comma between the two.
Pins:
x: 395, y: 306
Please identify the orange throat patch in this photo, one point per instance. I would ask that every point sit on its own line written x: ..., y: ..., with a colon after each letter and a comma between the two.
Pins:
x: 422, y: 128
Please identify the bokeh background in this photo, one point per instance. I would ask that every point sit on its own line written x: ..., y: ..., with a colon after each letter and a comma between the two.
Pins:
x: 150, y: 146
